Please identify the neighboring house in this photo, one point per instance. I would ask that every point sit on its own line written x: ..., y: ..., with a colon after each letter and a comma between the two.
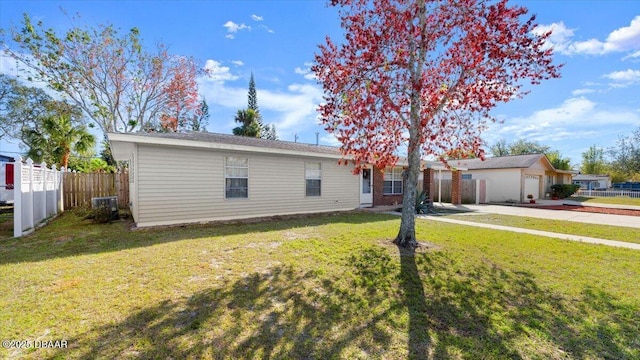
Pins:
x: 512, y: 178
x: 198, y: 177
x: 6, y: 176
x: 592, y: 182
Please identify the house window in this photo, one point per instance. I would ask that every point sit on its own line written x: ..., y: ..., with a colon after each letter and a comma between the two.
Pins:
x: 392, y: 181
x: 313, y: 178
x: 236, y: 177
x: 466, y: 176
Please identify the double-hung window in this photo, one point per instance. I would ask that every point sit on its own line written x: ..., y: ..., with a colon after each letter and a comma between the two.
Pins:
x: 236, y: 177
x: 392, y: 181
x: 313, y: 178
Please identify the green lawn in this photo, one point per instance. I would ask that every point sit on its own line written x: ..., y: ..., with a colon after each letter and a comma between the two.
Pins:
x: 6, y: 222
x: 621, y: 200
x: 608, y: 232
x: 319, y: 287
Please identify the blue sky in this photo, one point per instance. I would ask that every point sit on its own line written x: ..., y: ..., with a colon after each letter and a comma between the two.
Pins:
x: 596, y: 100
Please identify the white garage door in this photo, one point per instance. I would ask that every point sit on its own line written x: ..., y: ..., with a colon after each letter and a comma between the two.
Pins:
x: 532, y: 186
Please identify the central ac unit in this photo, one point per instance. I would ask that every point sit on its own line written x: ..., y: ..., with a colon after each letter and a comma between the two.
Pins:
x: 109, y: 202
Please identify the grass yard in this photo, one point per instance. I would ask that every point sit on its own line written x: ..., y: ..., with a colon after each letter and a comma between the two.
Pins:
x: 6, y: 222
x: 608, y: 232
x: 328, y: 286
x: 621, y: 200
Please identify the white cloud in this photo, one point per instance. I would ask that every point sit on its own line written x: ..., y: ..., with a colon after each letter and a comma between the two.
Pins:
x: 267, y: 29
x: 10, y: 66
x: 291, y: 110
x: 590, y: 47
x: 559, y: 38
x: 330, y: 140
x: 626, y: 77
x: 574, y: 118
x: 218, y: 73
x: 306, y: 71
x: 572, y: 125
x: 632, y: 56
x: 624, y: 39
x: 582, y: 92
x: 297, y: 106
x: 233, y: 28
x: 237, y: 62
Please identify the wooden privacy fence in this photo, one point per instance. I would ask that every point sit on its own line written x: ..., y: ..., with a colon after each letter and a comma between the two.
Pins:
x: 473, y: 191
x: 79, y: 188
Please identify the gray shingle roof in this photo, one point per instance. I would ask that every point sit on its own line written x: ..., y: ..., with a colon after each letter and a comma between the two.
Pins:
x: 503, y: 162
x: 242, y: 140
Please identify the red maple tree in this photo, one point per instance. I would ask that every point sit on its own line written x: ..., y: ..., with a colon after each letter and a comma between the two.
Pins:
x: 424, y: 74
x: 181, y: 91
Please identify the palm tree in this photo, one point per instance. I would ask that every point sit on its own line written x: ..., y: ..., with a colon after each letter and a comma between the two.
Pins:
x: 250, y: 125
x: 55, y: 139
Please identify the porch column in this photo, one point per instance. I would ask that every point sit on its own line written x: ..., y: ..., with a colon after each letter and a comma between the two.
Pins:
x: 456, y: 187
x: 428, y: 183
x: 377, y: 175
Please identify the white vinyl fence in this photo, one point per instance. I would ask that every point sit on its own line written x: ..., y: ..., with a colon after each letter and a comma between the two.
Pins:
x: 37, y: 195
x: 608, y: 193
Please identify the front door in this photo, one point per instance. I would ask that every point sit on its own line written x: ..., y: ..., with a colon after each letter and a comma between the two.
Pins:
x: 366, y: 187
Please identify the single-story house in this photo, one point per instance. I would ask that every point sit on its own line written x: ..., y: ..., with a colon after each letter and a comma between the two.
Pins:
x: 198, y: 177
x: 592, y: 182
x: 177, y: 178
x: 509, y: 178
x: 6, y: 176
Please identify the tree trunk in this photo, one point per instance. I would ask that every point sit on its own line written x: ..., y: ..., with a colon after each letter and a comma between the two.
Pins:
x: 407, y: 234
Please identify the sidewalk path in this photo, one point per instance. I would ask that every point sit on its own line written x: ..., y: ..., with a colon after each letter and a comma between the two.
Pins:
x: 535, y: 232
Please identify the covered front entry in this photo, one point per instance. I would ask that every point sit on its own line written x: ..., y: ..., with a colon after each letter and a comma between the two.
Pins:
x: 366, y: 187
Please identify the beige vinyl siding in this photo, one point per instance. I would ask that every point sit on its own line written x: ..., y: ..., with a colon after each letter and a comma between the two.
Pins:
x: 181, y: 185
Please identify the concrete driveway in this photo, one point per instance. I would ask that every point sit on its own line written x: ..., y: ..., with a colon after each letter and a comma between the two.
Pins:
x: 576, y: 216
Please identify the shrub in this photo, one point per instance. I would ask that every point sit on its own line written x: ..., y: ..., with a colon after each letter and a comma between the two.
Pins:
x: 422, y: 203
x: 564, y: 190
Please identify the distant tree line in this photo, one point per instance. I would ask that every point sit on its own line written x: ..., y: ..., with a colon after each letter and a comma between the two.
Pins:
x: 621, y: 162
x: 524, y: 147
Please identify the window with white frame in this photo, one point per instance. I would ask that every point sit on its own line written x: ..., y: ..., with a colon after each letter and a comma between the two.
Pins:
x: 392, y: 181
x: 313, y: 178
x: 236, y: 177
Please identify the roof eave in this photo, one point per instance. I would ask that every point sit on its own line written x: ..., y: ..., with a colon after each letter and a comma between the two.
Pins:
x: 148, y: 140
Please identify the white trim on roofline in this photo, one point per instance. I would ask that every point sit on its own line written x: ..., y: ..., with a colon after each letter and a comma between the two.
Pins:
x: 214, y: 145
